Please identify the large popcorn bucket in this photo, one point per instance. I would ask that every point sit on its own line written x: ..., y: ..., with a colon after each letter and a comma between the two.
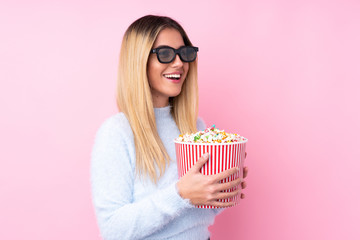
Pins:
x: 222, y: 156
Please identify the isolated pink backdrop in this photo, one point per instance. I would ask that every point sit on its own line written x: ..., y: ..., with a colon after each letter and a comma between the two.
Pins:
x: 285, y: 74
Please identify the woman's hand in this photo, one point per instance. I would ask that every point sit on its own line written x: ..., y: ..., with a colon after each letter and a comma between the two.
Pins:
x: 206, y: 190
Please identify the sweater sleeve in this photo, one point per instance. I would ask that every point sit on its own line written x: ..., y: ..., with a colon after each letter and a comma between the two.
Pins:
x: 112, y: 180
x: 200, y: 124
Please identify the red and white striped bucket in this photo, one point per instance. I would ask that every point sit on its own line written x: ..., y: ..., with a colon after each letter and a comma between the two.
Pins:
x: 222, y: 156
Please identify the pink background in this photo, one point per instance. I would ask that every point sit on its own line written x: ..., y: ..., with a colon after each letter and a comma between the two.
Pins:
x: 285, y: 74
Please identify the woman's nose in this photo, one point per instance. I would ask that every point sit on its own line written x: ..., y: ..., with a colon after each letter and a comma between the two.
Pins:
x: 177, y: 61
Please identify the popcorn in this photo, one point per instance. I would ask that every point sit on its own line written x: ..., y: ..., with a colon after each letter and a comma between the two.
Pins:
x: 210, y: 135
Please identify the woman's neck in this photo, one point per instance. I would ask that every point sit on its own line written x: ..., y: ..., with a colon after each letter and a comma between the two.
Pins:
x: 160, y: 102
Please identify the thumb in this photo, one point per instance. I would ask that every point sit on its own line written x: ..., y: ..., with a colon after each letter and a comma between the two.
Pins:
x: 200, y: 162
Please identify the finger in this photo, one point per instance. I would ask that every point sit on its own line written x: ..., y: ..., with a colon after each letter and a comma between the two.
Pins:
x: 224, y: 195
x: 228, y: 185
x: 242, y: 196
x: 222, y: 204
x: 245, y: 172
x: 200, y: 162
x: 243, y: 185
x: 220, y: 176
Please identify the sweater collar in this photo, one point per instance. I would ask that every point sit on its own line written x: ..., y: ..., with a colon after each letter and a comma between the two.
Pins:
x: 162, y: 112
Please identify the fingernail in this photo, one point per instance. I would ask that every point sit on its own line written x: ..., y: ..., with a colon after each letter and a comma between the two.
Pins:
x: 206, y: 155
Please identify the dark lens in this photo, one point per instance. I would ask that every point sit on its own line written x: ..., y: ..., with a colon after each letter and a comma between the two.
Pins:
x: 188, y: 54
x: 166, y: 55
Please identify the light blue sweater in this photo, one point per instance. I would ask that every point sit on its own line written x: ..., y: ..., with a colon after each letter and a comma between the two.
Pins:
x: 128, y: 207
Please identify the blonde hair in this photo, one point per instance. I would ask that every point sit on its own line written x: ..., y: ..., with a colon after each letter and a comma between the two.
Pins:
x: 134, y: 97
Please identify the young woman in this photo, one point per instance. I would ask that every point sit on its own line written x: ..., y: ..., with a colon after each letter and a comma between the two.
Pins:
x: 135, y: 186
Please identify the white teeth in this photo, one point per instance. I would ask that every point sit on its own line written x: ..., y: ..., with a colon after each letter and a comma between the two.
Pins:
x: 172, y: 75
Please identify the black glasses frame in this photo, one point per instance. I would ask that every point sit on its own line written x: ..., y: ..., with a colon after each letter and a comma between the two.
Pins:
x: 176, y: 51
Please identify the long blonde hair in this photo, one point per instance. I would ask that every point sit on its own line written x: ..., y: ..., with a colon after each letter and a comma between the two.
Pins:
x: 134, y: 96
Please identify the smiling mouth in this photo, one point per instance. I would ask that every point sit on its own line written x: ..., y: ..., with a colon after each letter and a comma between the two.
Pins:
x: 173, y: 76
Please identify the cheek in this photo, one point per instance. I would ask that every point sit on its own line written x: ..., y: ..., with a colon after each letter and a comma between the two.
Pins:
x: 150, y: 71
x: 155, y: 68
x: 153, y: 71
x: 186, y: 68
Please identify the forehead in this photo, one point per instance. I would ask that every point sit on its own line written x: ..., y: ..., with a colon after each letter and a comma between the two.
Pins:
x: 169, y: 37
